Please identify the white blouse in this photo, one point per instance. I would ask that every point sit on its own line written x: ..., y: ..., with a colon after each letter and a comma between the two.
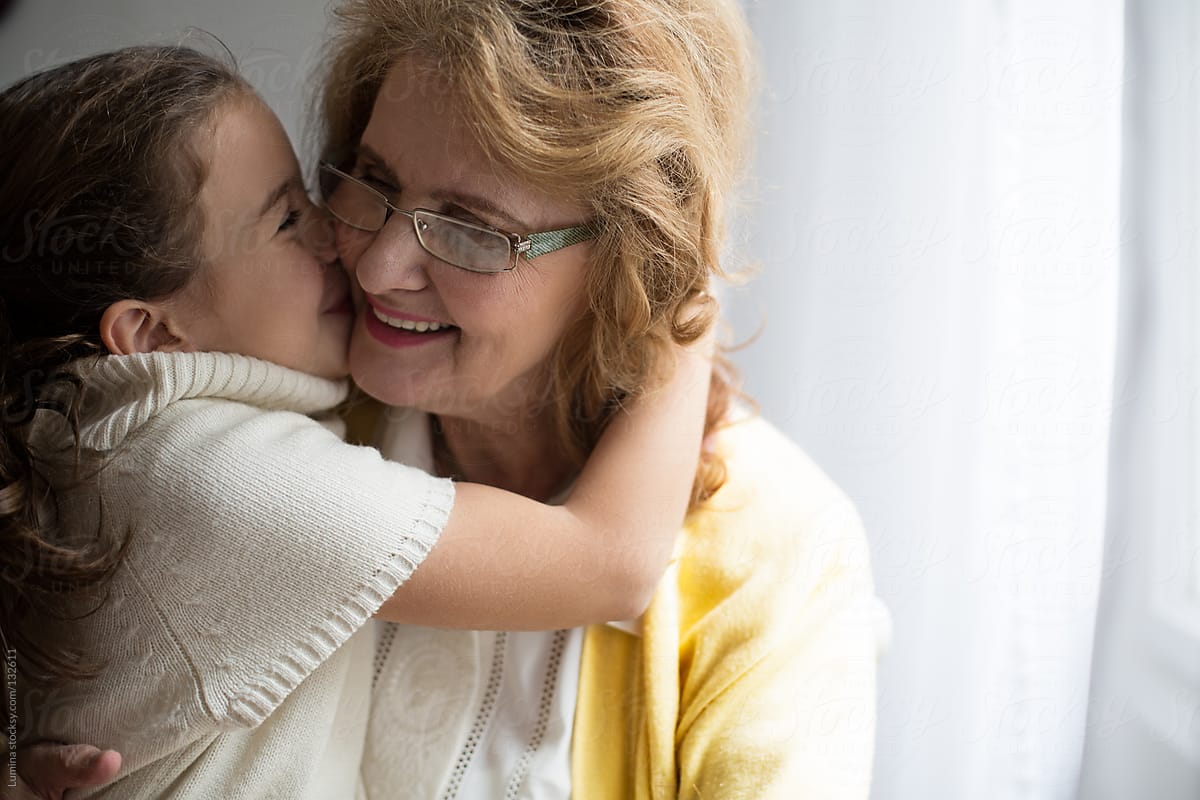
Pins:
x: 467, y: 714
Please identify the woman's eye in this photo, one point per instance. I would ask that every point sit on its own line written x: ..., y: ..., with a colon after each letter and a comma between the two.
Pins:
x: 463, y: 215
x: 378, y: 184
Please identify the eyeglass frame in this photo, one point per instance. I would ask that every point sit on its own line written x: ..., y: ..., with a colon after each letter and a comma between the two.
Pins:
x: 531, y: 245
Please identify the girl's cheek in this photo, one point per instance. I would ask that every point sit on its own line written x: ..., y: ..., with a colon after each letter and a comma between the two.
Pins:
x: 350, y: 245
x: 319, y: 233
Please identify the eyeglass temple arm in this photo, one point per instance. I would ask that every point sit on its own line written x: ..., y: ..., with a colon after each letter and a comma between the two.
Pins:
x: 539, y: 244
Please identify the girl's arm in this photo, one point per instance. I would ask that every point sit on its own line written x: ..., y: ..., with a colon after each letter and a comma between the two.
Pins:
x: 504, y: 561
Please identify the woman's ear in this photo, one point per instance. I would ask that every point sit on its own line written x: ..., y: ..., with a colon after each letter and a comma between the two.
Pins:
x: 132, y: 326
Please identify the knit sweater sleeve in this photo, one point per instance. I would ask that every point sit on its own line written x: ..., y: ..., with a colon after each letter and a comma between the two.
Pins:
x: 265, y: 542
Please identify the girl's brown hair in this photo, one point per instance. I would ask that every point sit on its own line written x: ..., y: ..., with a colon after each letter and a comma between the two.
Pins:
x: 637, y: 109
x: 100, y: 174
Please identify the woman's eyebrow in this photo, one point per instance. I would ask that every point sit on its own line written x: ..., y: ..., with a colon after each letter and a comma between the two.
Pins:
x: 478, y: 203
x: 465, y: 199
x: 377, y: 162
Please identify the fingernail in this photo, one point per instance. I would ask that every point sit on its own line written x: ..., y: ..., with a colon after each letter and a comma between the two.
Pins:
x: 84, y: 757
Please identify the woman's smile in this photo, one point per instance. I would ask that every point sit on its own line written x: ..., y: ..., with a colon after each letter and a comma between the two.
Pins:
x: 401, y: 329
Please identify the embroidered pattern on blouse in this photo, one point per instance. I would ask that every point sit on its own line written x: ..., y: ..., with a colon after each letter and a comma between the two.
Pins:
x: 482, y: 718
x: 382, y: 650
x: 545, y: 705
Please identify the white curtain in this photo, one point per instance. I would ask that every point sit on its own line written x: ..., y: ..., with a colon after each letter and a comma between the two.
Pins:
x: 1143, y: 737
x: 937, y: 221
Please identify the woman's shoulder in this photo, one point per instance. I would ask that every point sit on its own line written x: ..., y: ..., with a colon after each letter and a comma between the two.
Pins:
x: 769, y: 474
x: 777, y: 518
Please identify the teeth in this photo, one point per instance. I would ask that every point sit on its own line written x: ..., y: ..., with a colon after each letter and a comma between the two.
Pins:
x: 408, y: 324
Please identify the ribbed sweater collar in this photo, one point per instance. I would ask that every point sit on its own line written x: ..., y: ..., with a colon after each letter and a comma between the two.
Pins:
x: 122, y: 392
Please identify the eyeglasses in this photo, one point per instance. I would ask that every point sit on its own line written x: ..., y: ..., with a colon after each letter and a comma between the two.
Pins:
x: 478, y: 248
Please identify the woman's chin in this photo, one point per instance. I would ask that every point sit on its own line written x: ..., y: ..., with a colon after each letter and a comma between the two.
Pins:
x: 393, y: 386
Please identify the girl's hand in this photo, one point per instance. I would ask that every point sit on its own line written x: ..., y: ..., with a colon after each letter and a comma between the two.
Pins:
x: 47, y: 770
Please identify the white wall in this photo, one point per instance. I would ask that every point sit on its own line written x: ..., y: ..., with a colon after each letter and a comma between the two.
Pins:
x: 276, y: 41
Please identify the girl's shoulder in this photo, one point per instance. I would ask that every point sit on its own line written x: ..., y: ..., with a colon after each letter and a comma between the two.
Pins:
x: 124, y: 394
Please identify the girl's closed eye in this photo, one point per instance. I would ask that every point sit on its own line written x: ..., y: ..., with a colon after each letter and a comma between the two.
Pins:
x: 299, y: 208
x: 290, y: 220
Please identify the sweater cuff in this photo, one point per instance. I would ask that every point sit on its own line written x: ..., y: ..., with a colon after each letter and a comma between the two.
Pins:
x: 266, y: 692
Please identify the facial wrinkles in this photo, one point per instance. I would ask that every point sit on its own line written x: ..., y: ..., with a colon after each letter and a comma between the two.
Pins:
x: 508, y: 322
x: 444, y: 173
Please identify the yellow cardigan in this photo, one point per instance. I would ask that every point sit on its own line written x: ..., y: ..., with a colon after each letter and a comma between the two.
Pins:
x: 754, y: 675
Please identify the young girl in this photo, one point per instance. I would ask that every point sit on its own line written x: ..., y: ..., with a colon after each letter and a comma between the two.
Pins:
x: 168, y: 507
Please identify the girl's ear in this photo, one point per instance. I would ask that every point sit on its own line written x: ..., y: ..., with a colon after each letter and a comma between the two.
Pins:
x: 132, y: 326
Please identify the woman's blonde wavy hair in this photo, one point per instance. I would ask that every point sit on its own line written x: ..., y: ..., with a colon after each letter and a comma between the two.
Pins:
x: 635, y: 108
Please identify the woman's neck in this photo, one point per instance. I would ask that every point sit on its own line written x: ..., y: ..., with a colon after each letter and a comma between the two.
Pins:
x: 520, y: 455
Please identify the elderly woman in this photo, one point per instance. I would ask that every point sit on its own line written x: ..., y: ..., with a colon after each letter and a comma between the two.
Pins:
x: 454, y: 127
x: 456, y: 132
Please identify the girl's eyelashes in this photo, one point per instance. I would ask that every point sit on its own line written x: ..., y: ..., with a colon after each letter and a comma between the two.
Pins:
x: 290, y: 221
x: 302, y: 205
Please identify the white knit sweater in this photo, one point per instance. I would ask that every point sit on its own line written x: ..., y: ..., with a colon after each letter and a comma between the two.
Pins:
x: 238, y: 665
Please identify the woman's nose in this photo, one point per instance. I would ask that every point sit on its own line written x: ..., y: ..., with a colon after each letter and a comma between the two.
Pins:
x: 393, y: 261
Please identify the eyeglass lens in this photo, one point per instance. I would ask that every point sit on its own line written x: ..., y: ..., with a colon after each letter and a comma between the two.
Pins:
x: 447, y: 239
